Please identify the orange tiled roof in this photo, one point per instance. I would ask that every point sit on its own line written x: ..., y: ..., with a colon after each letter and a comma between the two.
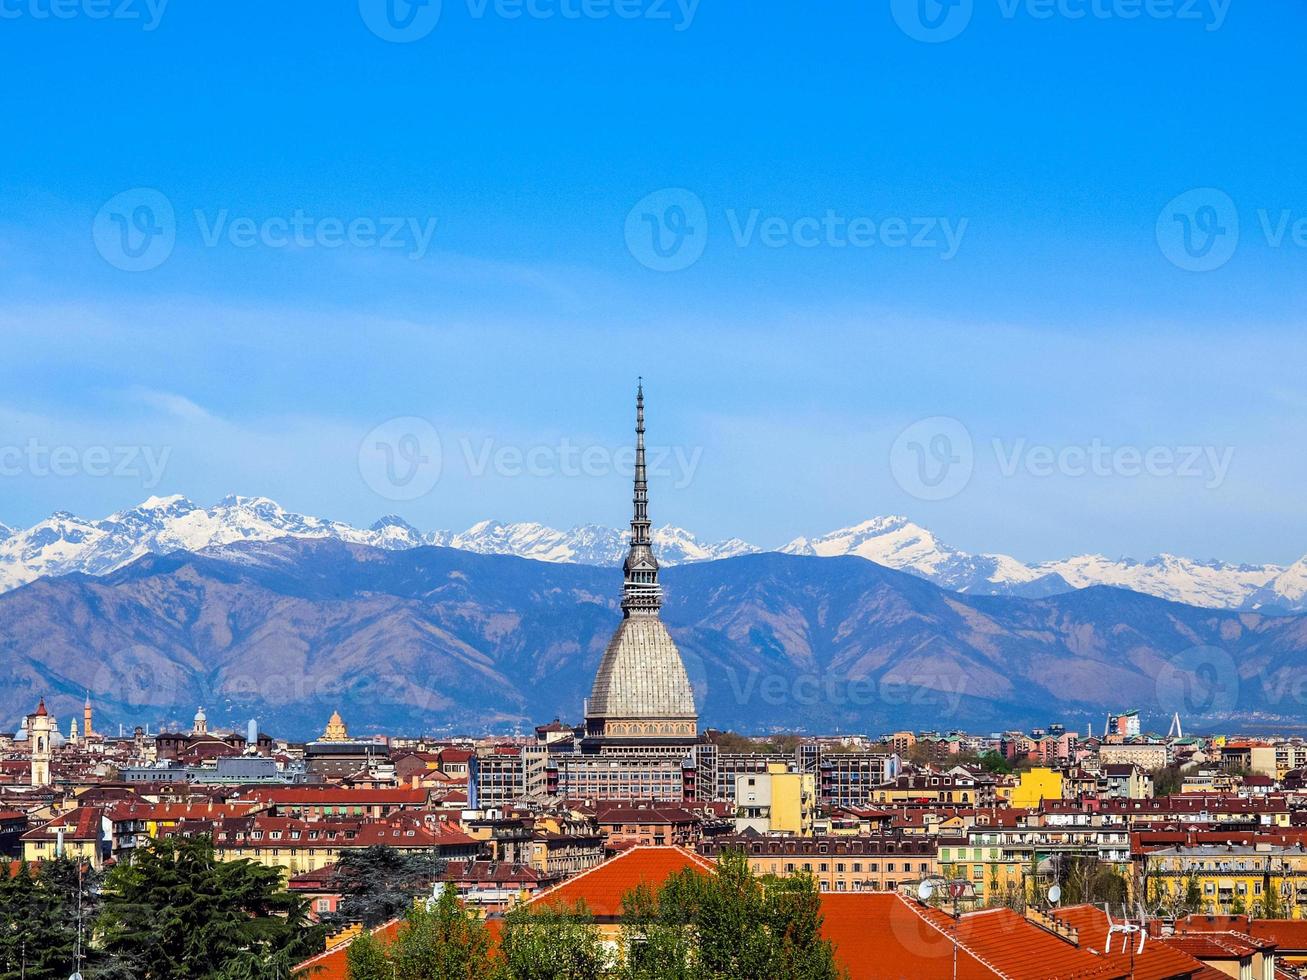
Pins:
x: 1157, y: 961
x: 81, y: 824
x: 602, y: 887
x: 883, y: 936
x: 334, y: 963
x: 1216, y: 945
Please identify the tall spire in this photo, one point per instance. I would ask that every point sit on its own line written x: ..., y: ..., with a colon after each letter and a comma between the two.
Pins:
x: 641, y: 595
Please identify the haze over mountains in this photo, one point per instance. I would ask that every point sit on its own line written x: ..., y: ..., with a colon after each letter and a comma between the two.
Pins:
x: 431, y: 639
x: 64, y: 543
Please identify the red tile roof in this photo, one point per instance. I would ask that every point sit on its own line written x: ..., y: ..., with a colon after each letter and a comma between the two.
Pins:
x: 1157, y: 961
x: 338, y: 795
x: 334, y: 963
x: 602, y: 887
x: 1215, y: 945
x: 883, y: 936
x: 81, y: 824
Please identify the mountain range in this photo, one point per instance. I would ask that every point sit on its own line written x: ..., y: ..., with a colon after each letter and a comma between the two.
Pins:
x: 64, y: 544
x: 436, y: 639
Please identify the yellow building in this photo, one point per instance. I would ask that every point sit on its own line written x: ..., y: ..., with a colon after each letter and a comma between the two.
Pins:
x: 839, y: 864
x: 1036, y: 785
x: 994, y: 872
x: 78, y: 834
x: 776, y: 801
x: 1268, y: 881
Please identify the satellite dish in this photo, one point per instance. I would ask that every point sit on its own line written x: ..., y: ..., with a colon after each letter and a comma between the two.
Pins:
x: 1055, y: 894
x: 925, y: 891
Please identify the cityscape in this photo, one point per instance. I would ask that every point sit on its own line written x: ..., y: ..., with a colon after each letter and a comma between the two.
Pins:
x: 1118, y: 852
x: 653, y: 490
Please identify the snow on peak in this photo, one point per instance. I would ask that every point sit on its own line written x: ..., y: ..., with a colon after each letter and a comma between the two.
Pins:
x: 64, y: 543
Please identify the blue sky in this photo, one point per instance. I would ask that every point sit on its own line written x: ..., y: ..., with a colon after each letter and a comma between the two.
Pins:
x: 1008, y: 277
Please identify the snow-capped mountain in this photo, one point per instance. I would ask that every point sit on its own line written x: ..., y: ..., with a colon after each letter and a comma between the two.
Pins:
x: 589, y: 544
x: 64, y: 543
x: 900, y: 544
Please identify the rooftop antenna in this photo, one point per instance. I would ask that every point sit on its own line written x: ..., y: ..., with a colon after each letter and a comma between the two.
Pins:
x: 1125, y: 929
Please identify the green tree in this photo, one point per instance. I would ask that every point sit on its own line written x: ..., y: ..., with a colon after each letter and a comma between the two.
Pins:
x: 1193, y: 895
x: 177, y: 913
x: 732, y: 925
x: 367, y: 959
x: 657, y: 943
x: 40, y: 919
x: 380, y: 883
x: 1271, y: 906
x: 1166, y: 780
x: 438, y: 940
x: 552, y: 942
x: 444, y: 941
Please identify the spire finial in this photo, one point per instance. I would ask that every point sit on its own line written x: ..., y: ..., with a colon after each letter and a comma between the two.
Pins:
x: 640, y: 592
